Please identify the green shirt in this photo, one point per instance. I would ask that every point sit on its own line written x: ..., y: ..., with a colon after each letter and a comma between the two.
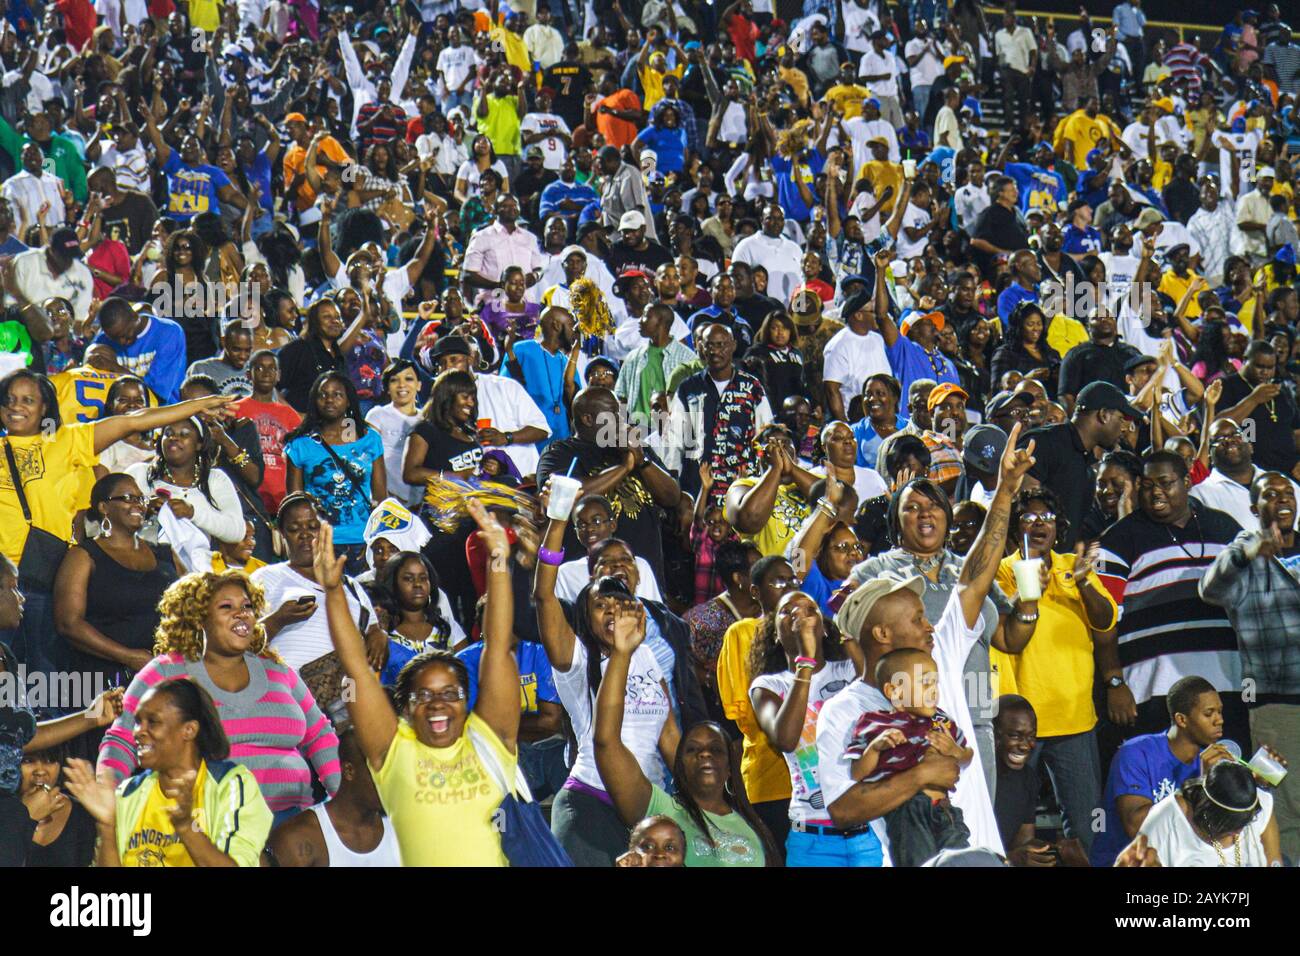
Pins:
x: 61, y: 158
x: 652, y: 380
x: 681, y: 373
x: 735, y: 842
x: 501, y: 125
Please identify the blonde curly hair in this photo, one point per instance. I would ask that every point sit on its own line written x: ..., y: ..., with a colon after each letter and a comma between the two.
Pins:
x: 184, y: 610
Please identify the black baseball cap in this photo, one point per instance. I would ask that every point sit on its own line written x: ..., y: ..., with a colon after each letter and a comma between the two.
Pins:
x: 1101, y: 396
x: 64, y: 242
x: 449, y: 345
x: 1137, y: 361
x: 1002, y: 399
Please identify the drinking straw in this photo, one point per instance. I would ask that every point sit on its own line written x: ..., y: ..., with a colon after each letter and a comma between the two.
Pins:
x: 572, y: 465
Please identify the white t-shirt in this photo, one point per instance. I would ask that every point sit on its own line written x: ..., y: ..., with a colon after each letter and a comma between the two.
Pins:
x: 32, y: 277
x: 860, y: 130
x: 307, y: 640
x: 455, y: 64
x: 1170, y: 834
x: 645, y: 708
x: 880, y: 64
x: 859, y: 24
x: 1120, y: 272
x: 511, y: 408
x: 806, y: 804
x: 971, y: 200
x: 866, y: 481
x: 1244, y: 145
x: 914, y: 217
x: 553, y: 149
x: 850, y: 359
x: 780, y: 257
x: 394, y: 428
x: 469, y: 172
x: 929, y: 68
x: 573, y: 576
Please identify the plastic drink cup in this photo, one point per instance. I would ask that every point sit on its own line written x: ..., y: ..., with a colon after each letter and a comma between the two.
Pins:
x: 484, y: 423
x: 909, y: 169
x: 1027, y: 582
x: 564, y: 492
x: 1264, y: 764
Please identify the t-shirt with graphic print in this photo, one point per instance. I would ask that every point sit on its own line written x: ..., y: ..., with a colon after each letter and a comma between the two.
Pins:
x: 807, y: 806
x: 734, y: 841
x: 344, y: 492
x: 52, y: 470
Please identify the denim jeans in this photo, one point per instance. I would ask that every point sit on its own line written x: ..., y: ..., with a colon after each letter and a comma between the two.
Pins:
x: 920, y: 828
x: 805, y: 848
x: 1074, y: 767
x: 920, y: 99
x: 544, y: 766
x: 464, y: 98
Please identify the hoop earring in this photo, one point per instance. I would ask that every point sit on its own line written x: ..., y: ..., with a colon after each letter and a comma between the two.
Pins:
x: 726, y: 786
x: 105, y: 527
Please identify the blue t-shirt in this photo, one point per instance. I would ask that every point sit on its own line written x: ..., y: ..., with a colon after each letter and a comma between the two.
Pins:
x: 1079, y: 241
x: 544, y: 381
x: 1143, y: 767
x: 536, y: 681
x: 12, y: 246
x: 259, y: 174
x: 192, y: 189
x: 787, y: 193
x: 669, y: 145
x: 346, y: 501
x: 157, y: 356
x: 1012, y: 296
x: 820, y: 588
x: 1039, y: 188
x: 869, y: 442
x: 910, y: 362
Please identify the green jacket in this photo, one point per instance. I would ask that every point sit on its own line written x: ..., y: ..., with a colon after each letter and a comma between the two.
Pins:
x: 61, y: 158
x: 239, y: 821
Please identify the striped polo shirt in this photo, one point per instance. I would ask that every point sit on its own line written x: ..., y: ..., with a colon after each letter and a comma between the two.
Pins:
x: 1166, y: 632
x: 273, y: 724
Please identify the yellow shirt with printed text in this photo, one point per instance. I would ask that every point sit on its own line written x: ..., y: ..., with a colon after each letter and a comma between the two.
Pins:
x: 53, y: 470
x: 443, y: 801
x: 153, y: 840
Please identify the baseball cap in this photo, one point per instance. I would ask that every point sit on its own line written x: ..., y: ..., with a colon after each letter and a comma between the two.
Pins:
x: 915, y: 317
x: 449, y: 345
x: 1002, y: 399
x: 1148, y: 217
x: 1265, y: 172
x: 950, y: 60
x: 854, y: 304
x: 853, y: 613
x: 64, y: 241
x: 532, y: 151
x: 570, y: 250
x: 871, y: 101
x: 591, y: 225
x: 1094, y: 154
x: 632, y: 219
x: 1137, y: 361
x: 878, y: 139
x: 1101, y: 396
x: 1165, y: 103
x: 942, y: 391
x: 622, y: 283
x: 984, y: 445
x: 295, y: 118
x: 1238, y: 125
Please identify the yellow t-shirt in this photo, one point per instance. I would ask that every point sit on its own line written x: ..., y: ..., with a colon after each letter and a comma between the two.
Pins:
x: 882, y: 173
x: 788, y: 513
x: 153, y: 840
x: 52, y: 471
x: 82, y: 391
x: 1083, y: 133
x: 513, y: 45
x: 1174, y: 287
x: 1065, y: 333
x: 652, y: 83
x: 847, y: 99
x: 443, y: 801
x: 219, y: 565
x: 205, y: 15
x: 1055, y: 670
x: 764, y: 770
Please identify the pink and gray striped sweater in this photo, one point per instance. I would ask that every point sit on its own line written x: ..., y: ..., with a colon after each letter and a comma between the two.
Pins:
x: 273, y: 724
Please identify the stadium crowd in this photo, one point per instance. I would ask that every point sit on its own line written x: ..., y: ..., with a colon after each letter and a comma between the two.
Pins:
x: 854, y: 433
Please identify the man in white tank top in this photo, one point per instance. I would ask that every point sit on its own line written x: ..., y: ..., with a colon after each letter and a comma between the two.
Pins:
x: 349, y: 830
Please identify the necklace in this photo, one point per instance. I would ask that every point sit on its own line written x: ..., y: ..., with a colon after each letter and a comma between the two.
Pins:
x: 1272, y: 410
x: 1236, y: 852
x: 1182, y: 548
x: 926, y: 565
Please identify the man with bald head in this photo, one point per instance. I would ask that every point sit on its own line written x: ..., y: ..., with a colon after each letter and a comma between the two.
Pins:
x: 608, y: 457
x: 541, y: 365
x: 715, y: 416
x: 886, y: 614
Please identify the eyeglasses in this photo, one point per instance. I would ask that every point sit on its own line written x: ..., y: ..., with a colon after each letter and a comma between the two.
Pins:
x: 782, y: 584
x: 1037, y: 517
x: 848, y: 547
x: 424, y: 696
x: 129, y: 499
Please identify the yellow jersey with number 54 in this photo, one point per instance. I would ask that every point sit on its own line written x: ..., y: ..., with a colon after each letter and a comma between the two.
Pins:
x: 82, y: 392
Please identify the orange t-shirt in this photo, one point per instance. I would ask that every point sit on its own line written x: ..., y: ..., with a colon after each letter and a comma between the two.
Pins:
x: 295, y: 161
x: 618, y: 132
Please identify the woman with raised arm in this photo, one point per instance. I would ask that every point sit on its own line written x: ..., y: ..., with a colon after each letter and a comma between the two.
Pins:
x: 422, y: 753
x: 721, y: 827
x: 192, y: 806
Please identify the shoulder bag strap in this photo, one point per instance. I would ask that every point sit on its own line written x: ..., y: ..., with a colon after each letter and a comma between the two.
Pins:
x: 346, y: 468
x: 488, y: 757
x: 18, y: 483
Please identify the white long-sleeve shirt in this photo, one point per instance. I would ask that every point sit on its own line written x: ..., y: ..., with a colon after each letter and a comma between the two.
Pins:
x: 363, y: 91
x: 222, y: 522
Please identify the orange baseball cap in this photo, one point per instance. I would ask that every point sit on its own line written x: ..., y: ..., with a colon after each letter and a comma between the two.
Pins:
x: 942, y: 391
x: 295, y: 118
x: 910, y: 320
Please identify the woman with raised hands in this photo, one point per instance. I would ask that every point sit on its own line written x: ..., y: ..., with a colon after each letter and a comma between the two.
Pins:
x: 425, y: 746
x: 721, y: 827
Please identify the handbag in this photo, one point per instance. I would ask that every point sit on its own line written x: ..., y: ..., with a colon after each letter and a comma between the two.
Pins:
x: 42, y: 552
x: 526, y: 840
x: 398, y: 214
x: 325, y: 675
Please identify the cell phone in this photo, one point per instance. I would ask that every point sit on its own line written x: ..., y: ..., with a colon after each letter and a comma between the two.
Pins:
x: 306, y: 599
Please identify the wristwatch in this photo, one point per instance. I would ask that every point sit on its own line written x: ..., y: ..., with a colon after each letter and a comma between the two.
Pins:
x: 510, y: 438
x: 1116, y: 681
